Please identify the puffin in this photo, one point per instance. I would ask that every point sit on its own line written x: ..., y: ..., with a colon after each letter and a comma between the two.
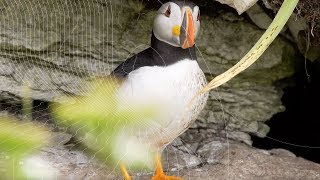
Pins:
x: 166, y: 74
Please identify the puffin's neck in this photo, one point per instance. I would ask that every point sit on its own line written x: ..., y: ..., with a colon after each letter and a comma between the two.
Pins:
x: 167, y: 54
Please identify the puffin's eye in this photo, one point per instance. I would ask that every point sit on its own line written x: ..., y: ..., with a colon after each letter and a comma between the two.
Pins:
x: 198, y: 17
x: 168, y: 11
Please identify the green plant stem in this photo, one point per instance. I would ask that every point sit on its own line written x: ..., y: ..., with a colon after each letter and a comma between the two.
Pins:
x: 257, y: 50
x: 26, y: 102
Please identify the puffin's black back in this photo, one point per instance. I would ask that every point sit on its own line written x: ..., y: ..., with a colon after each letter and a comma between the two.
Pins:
x: 159, y: 54
x: 184, y: 3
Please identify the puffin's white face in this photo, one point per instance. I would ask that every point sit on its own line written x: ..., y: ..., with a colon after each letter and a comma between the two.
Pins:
x: 177, y: 26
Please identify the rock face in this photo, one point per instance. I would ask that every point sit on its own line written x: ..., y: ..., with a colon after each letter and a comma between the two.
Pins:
x: 303, y: 25
x: 240, y: 5
x: 56, y: 45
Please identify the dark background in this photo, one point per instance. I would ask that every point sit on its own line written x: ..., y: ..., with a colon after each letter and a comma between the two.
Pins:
x: 299, y: 124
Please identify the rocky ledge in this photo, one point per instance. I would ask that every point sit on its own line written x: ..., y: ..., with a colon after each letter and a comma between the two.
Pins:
x: 211, y: 159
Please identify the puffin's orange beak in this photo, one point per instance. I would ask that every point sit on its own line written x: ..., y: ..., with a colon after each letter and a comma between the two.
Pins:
x: 187, y: 30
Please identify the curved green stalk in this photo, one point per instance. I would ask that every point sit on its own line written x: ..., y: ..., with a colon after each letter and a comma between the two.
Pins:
x: 258, y: 49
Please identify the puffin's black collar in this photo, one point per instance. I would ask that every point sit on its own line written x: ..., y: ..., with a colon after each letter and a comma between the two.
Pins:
x: 159, y: 54
x: 167, y: 54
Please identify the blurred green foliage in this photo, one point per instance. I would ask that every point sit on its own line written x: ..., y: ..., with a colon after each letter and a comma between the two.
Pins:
x: 101, y: 126
x: 18, y: 140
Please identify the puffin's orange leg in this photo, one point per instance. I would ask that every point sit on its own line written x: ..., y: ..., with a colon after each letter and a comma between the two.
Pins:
x: 159, y: 174
x: 124, y: 172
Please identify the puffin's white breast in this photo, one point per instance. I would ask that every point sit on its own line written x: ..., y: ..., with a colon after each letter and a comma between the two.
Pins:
x: 170, y: 89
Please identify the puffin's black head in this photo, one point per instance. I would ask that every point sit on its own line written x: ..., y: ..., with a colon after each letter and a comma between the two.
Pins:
x: 177, y: 23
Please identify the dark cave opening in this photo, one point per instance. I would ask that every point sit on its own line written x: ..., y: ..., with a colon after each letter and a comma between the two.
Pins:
x: 299, y: 124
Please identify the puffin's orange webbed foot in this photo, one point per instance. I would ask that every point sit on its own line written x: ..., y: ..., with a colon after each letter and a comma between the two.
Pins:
x: 159, y: 174
x: 125, y: 173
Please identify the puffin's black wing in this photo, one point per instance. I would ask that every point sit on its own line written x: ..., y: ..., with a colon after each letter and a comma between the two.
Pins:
x: 141, y: 59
